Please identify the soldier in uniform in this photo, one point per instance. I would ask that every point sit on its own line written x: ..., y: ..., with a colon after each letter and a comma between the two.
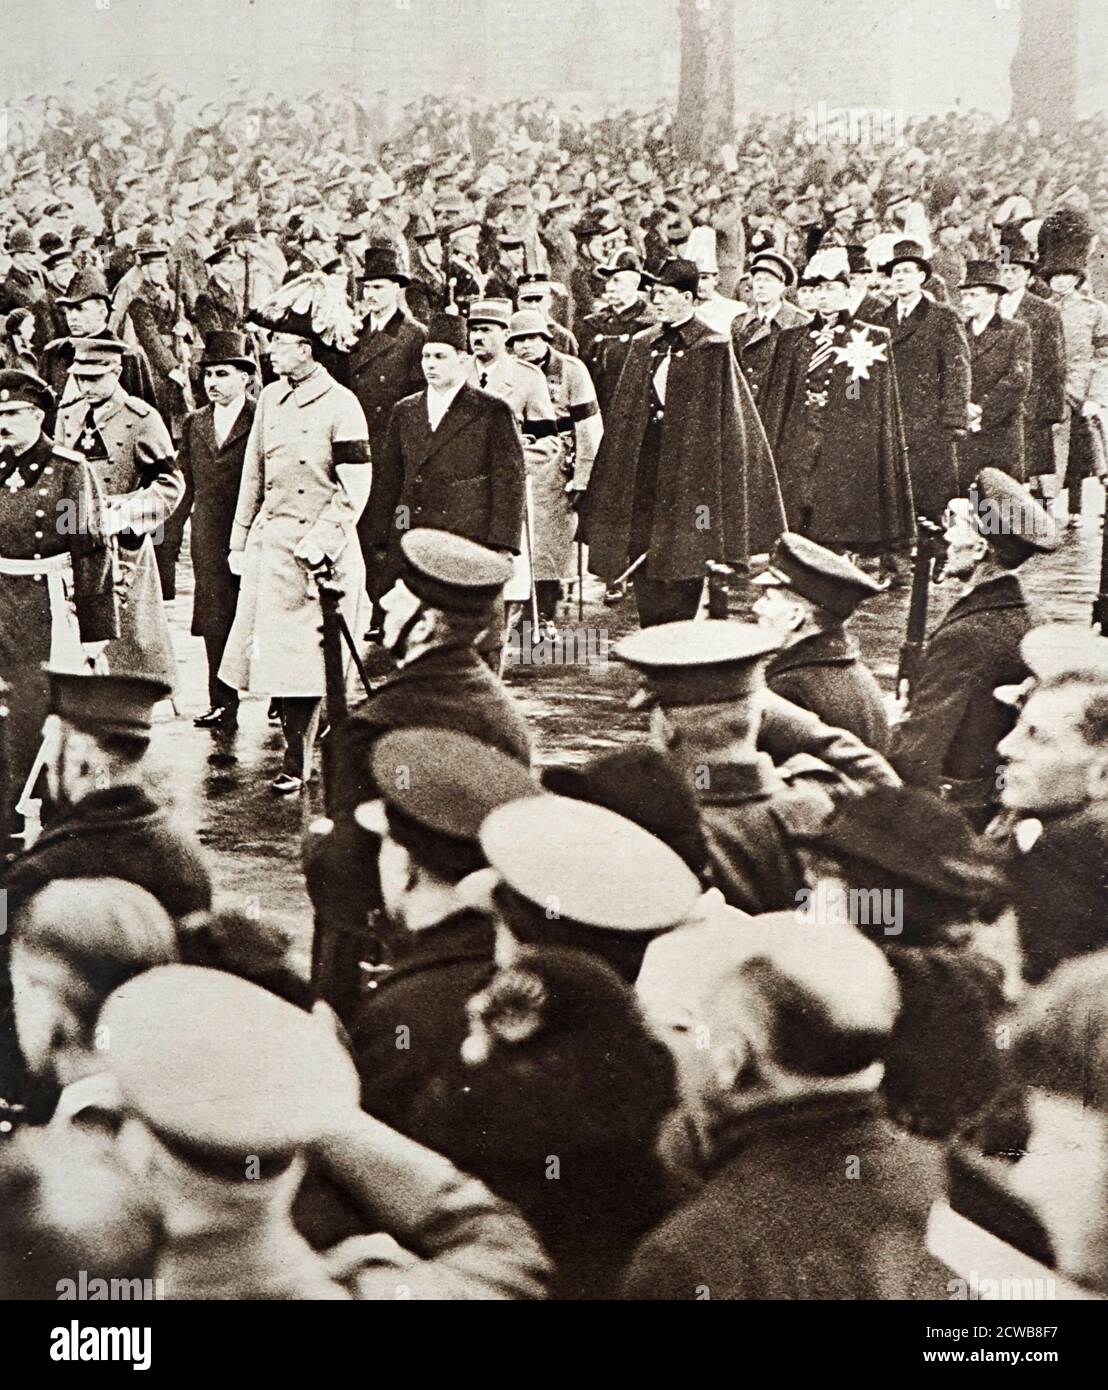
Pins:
x: 536, y: 292
x: 606, y: 335
x: 755, y: 333
x: 86, y: 305
x: 947, y: 741
x: 446, y: 597
x: 304, y: 485
x: 385, y: 365
x: 127, y: 443
x: 57, y: 597
x: 808, y: 595
x: 707, y: 680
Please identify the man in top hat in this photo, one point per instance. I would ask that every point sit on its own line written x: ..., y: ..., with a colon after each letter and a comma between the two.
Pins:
x: 605, y: 335
x: 128, y: 444
x: 304, y: 485
x: 452, y: 458
x: 833, y: 421
x: 1085, y: 331
x: 1000, y: 377
x: 931, y: 357
x: 102, y: 818
x: 808, y: 595
x: 57, y: 597
x: 211, y: 458
x: 288, y: 1093
x: 707, y: 683
x: 1046, y: 400
x: 86, y: 306
x: 754, y: 334
x: 947, y: 741
x: 535, y: 291
x: 446, y: 597
x: 683, y: 474
x: 436, y: 789
x: 386, y: 364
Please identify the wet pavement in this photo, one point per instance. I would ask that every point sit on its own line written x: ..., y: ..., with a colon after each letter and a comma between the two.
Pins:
x: 221, y: 788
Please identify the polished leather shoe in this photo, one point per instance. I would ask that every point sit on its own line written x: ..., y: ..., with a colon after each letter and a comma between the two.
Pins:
x: 286, y: 784
x: 218, y: 717
x: 273, y: 713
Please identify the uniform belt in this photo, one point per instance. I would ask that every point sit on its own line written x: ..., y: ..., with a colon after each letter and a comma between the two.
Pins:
x: 49, y: 564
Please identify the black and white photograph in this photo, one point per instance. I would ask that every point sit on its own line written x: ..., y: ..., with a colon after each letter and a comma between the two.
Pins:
x: 554, y: 662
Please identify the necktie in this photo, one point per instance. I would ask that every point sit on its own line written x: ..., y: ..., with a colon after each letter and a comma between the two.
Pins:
x: 483, y: 380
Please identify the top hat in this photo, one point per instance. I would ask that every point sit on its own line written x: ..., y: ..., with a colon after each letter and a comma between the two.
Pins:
x: 225, y: 347
x: 381, y: 263
x: 982, y: 275
x: 907, y: 251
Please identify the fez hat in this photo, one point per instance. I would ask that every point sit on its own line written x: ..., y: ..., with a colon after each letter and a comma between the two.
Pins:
x: 529, y: 323
x: 94, y: 356
x: 907, y: 251
x: 451, y: 572
x: 381, y: 264
x: 982, y: 275
x: 224, y: 347
x: 449, y: 329
x: 705, y: 662
x: 86, y: 284
x: 493, y: 311
x: 18, y: 389
x: 819, y: 575
x: 115, y: 703
x: 677, y: 273
x: 773, y: 264
x: 437, y: 787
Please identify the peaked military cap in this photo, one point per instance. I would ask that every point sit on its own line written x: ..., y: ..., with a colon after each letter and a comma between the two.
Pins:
x: 451, y: 572
x: 703, y: 662
x: 775, y: 265
x: 19, y: 389
x: 582, y: 864
x: 828, y: 580
x: 222, y: 1067
x: 109, y: 703
x: 94, y: 356
x: 437, y: 787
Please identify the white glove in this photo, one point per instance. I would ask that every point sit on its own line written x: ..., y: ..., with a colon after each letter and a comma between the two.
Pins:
x: 234, y: 561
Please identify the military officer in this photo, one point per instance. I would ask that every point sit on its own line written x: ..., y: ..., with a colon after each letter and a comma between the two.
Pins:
x: 808, y: 595
x: 129, y: 446
x: 947, y: 741
x: 434, y: 616
x: 707, y: 681
x: 535, y: 291
x: 57, y: 597
x: 385, y: 363
x: 304, y: 484
x: 86, y: 305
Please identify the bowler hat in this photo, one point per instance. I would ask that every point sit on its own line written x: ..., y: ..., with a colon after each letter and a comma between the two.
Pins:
x: 225, y: 347
x: 20, y: 241
x: 381, y: 263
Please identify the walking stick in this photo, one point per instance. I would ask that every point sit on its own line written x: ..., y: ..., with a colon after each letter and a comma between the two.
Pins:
x: 1100, y: 603
x: 580, y: 584
x: 529, y: 535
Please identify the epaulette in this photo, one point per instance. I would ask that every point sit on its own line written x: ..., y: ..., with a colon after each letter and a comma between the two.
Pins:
x: 137, y: 406
x: 70, y: 455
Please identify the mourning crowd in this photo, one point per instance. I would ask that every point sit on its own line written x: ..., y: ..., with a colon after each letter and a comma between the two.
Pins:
x: 802, y: 993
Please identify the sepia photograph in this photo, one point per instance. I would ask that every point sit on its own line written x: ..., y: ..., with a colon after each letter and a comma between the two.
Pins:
x: 554, y: 663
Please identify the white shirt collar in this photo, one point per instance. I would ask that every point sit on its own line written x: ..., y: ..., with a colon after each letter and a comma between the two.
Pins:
x: 439, y: 402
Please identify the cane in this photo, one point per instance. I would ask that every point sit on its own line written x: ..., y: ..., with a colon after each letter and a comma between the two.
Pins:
x: 530, y: 538
x: 629, y: 571
x: 580, y: 584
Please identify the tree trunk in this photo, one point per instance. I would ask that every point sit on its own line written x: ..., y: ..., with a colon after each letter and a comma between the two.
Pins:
x: 1044, y: 69
x: 706, y: 97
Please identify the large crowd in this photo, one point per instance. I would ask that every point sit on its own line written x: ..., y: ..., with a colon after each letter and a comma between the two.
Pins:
x: 801, y: 994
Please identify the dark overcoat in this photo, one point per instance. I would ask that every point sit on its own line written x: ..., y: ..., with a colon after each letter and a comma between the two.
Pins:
x: 954, y: 720
x: 1000, y: 361
x: 843, y: 467
x: 466, y: 477
x: 1046, y: 401
x: 931, y: 357
x: 605, y: 339
x: 213, y: 473
x: 825, y: 673
x: 384, y: 368
x: 716, y: 495
x: 754, y: 340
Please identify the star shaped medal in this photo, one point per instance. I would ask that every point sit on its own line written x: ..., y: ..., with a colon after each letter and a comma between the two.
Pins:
x: 860, y: 354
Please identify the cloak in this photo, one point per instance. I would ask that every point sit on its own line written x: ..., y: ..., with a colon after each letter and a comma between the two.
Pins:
x: 716, y: 496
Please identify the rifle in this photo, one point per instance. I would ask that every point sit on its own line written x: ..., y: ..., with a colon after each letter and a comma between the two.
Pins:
x: 1100, y: 603
x: 335, y: 632
x: 928, y: 546
x: 184, y: 366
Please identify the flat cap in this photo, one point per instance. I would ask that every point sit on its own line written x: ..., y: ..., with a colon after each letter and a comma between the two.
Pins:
x: 828, y: 580
x: 19, y: 389
x: 451, y: 572
x: 585, y: 865
x: 437, y: 787
x: 223, y: 1067
x: 704, y: 662
x: 93, y: 356
x: 110, y: 703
